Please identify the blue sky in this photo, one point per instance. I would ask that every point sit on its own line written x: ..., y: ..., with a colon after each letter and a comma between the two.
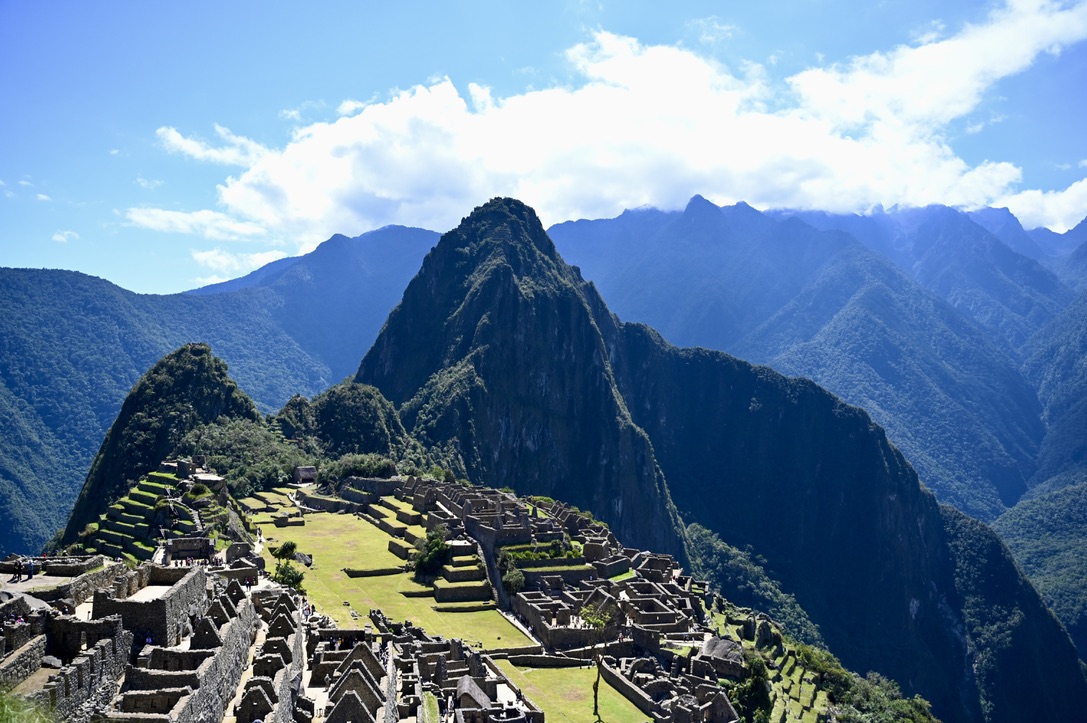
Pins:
x: 167, y: 146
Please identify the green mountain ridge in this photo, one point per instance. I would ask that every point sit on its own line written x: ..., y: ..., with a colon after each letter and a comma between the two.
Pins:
x: 1046, y: 534
x: 184, y: 390
x: 530, y: 378
x: 354, y: 416
x: 474, y: 314
x: 72, y: 346
x: 503, y: 368
x: 772, y: 289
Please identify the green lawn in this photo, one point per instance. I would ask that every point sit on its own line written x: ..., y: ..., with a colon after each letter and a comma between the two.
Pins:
x: 566, y: 694
x: 345, y: 541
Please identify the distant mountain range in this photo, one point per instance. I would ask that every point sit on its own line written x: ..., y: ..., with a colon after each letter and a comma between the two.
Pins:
x: 920, y: 316
x: 502, y: 361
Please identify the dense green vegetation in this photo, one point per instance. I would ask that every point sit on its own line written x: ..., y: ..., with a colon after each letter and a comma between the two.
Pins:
x: 352, y: 418
x: 75, y: 345
x: 246, y: 451
x: 184, y: 390
x: 1002, y: 623
x: 870, y: 699
x: 741, y: 577
x: 1048, y: 537
x: 1055, y: 363
x: 432, y: 552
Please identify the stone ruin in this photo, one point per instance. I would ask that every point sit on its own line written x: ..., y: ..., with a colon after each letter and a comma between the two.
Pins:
x: 157, y: 643
x: 192, y: 643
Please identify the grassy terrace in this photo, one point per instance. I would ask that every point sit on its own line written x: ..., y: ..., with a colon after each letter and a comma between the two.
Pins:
x: 792, y: 689
x: 566, y: 694
x: 339, y: 541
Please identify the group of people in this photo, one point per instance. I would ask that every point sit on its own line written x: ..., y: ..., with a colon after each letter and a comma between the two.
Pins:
x: 22, y: 566
x: 190, y: 561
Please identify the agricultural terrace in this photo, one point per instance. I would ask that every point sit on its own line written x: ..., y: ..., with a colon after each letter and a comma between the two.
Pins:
x: 792, y: 686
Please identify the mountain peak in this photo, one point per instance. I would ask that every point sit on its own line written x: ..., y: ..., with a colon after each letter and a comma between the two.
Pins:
x: 186, y: 388
x: 699, y: 206
x: 503, y: 221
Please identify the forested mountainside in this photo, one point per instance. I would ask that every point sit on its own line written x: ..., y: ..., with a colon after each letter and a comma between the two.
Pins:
x: 186, y: 389
x: 74, y: 345
x: 1008, y: 294
x: 1046, y: 534
x: 946, y: 327
x: 505, y: 361
x: 494, y: 356
x: 256, y: 455
x: 1055, y: 360
x: 821, y: 304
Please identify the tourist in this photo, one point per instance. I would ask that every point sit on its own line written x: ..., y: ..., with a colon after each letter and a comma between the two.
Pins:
x: 30, y: 568
x: 18, y: 570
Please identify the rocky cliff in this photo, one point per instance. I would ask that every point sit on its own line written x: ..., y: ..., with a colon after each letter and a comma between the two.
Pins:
x: 496, y: 357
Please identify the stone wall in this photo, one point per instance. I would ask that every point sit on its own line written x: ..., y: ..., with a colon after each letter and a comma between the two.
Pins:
x: 629, y: 691
x: 68, y: 636
x: 87, y: 684
x: 163, y: 619
x: 58, y: 566
x: 462, y: 593
x: 23, y: 662
x: 213, y: 683
x: 330, y: 504
x: 373, y: 485
x: 81, y: 588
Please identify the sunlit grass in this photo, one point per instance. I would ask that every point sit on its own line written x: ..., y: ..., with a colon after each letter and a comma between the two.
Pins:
x: 344, y: 541
x: 566, y: 694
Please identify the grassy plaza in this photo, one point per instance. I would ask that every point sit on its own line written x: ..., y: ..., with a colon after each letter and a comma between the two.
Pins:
x: 566, y: 694
x: 339, y: 541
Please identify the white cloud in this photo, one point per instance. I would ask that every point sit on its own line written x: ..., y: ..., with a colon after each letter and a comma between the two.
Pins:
x: 298, y: 114
x: 115, y: 151
x: 929, y: 33
x: 25, y: 183
x: 209, y: 224
x: 712, y: 30
x: 149, y: 183
x: 653, y: 125
x: 1056, y: 210
x: 63, y: 237
x: 350, y: 107
x: 921, y: 88
x: 42, y: 197
x: 235, y: 150
x: 227, y: 262
x: 1083, y: 163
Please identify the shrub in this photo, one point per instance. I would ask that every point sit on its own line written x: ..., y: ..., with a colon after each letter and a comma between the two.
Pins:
x: 433, y: 552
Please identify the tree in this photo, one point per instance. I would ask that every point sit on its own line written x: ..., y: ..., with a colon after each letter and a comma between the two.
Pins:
x: 286, y: 573
x: 513, y: 580
x: 433, y: 552
x: 598, y: 617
